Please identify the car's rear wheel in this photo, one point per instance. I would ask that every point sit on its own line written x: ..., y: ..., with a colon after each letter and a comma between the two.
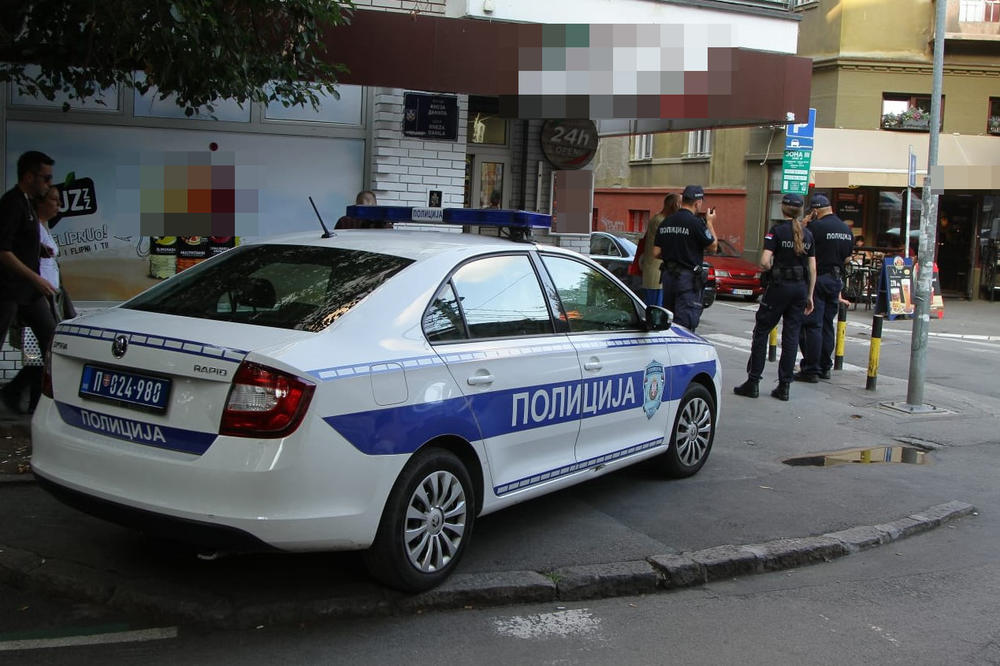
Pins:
x: 426, y: 523
x: 692, y: 434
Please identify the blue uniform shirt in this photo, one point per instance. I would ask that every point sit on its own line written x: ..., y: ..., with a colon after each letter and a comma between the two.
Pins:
x: 834, y: 242
x: 682, y: 238
x: 780, y: 240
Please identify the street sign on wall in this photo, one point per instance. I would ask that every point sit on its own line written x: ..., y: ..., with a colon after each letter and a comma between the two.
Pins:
x: 801, y: 136
x: 795, y: 171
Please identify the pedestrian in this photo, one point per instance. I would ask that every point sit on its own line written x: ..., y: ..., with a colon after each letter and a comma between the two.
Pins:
x: 24, y: 293
x: 834, y: 244
x: 363, y: 198
x: 788, y: 258
x: 30, y: 374
x: 681, y: 242
x: 649, y: 263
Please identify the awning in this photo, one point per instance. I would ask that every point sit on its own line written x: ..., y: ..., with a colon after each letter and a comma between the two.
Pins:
x: 565, y: 71
x: 878, y: 158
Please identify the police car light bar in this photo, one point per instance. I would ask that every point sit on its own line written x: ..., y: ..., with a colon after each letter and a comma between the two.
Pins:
x: 492, y: 217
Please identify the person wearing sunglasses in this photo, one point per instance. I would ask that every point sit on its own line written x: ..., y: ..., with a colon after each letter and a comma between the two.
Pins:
x: 24, y: 292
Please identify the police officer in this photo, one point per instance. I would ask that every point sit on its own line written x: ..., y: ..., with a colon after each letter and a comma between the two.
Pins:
x: 834, y: 244
x: 681, y: 241
x: 789, y: 257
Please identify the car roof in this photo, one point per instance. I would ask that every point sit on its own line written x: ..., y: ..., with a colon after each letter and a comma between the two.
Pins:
x: 412, y: 244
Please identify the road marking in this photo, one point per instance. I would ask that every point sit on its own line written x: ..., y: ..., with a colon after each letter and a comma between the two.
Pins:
x: 743, y: 345
x: 136, y: 636
x: 567, y: 623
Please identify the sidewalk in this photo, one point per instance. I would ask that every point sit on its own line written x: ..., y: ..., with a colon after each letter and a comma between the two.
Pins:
x: 626, y: 533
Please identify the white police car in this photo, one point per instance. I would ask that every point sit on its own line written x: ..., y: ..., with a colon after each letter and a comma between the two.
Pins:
x: 377, y: 389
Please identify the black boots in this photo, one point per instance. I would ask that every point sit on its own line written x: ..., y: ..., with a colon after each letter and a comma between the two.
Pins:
x: 748, y: 389
x: 781, y: 391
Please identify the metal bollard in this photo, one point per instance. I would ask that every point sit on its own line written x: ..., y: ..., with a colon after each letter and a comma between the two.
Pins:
x: 772, y: 345
x: 838, y: 355
x: 873, y: 351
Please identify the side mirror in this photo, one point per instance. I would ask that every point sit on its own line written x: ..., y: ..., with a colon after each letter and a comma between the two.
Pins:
x: 658, y: 319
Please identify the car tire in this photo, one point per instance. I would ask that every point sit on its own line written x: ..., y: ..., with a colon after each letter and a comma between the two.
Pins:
x: 426, y: 523
x: 693, y: 432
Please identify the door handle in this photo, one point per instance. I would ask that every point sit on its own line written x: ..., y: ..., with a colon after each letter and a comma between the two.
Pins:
x: 480, y: 380
x: 593, y: 365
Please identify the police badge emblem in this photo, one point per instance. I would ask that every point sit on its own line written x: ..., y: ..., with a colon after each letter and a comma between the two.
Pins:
x: 652, y: 388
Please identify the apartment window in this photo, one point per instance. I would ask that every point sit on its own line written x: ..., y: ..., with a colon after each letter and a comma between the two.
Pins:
x: 993, y: 120
x: 637, y: 220
x: 905, y: 111
x: 979, y: 11
x: 699, y: 143
x: 642, y: 147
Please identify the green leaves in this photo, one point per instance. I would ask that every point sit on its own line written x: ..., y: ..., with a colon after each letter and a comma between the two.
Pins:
x: 200, y: 50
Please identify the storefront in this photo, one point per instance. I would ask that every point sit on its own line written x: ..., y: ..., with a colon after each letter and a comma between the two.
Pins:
x: 864, y: 173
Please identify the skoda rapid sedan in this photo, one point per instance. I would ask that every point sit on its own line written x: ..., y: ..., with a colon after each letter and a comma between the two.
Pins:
x: 374, y: 390
x: 734, y: 275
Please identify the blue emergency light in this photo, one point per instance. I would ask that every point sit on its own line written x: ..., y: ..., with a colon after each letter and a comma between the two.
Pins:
x: 519, y: 223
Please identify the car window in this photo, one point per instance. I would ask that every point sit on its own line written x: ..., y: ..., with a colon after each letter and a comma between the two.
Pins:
x: 501, y: 297
x: 443, y: 319
x: 726, y: 249
x: 591, y: 301
x: 284, y: 286
x: 603, y: 246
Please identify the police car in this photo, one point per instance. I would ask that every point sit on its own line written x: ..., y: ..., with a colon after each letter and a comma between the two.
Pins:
x: 373, y: 390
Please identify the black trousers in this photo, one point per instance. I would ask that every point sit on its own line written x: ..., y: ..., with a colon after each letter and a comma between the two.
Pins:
x: 38, y: 316
x: 786, y: 302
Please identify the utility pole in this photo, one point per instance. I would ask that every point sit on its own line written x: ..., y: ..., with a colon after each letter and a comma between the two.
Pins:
x: 928, y: 233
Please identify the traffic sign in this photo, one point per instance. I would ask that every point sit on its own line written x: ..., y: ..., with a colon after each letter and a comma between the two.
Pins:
x: 801, y: 136
x: 795, y: 172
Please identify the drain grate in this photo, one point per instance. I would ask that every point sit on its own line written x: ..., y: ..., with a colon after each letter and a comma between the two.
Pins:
x: 878, y: 455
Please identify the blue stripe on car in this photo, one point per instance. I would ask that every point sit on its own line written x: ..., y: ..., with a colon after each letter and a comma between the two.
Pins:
x: 180, y: 345
x: 140, y: 432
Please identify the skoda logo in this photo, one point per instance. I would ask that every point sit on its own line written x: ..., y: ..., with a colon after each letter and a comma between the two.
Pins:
x: 119, y: 346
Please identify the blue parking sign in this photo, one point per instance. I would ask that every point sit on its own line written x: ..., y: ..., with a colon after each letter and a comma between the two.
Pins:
x: 801, y: 136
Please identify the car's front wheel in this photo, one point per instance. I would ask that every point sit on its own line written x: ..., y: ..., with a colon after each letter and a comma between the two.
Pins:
x: 693, y: 433
x: 426, y: 523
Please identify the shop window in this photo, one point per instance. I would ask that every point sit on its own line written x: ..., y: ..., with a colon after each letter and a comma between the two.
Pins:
x: 993, y: 121
x: 637, y: 220
x: 105, y: 99
x: 903, y: 111
x: 699, y: 143
x: 642, y: 147
x: 774, y: 194
x: 891, y: 224
x: 344, y: 109
x: 485, y: 126
x: 150, y: 105
x: 979, y: 11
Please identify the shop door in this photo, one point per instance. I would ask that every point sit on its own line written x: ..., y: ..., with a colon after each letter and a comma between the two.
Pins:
x: 955, y: 233
x: 491, y: 181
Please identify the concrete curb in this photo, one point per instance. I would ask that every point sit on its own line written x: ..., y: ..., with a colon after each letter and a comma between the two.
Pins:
x: 658, y: 572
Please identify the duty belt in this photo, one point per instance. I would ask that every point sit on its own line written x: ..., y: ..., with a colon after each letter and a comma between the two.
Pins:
x: 787, y: 274
x: 835, y: 271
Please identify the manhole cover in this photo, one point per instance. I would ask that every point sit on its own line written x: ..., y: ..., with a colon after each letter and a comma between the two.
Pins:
x: 879, y: 455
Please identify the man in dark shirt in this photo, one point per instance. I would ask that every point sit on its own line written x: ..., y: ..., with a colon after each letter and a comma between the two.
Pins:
x: 681, y: 241
x: 23, y: 291
x: 834, y: 244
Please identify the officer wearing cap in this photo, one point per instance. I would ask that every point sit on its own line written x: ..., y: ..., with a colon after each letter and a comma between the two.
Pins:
x: 789, y: 257
x: 681, y: 241
x: 834, y: 244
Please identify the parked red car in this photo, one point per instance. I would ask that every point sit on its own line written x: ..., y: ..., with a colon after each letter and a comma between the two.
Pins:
x: 734, y: 275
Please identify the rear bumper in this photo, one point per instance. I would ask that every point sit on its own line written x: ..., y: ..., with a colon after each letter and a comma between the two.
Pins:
x: 309, y: 491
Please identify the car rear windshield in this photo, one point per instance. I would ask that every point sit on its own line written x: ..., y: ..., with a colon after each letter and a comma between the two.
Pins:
x: 284, y: 286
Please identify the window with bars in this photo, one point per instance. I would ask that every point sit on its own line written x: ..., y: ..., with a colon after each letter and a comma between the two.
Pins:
x: 642, y: 147
x: 699, y: 143
x: 979, y: 11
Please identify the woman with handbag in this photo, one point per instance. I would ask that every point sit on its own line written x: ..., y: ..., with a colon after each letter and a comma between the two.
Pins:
x: 649, y: 265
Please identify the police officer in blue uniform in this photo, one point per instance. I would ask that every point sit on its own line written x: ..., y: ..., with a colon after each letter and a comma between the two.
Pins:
x: 681, y: 241
x: 789, y: 258
x: 834, y: 244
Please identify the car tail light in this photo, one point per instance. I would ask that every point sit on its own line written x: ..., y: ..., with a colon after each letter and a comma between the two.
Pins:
x: 47, y: 373
x: 264, y: 402
x: 711, y: 273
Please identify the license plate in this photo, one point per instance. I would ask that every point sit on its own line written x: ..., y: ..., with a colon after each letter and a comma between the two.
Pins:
x: 127, y: 388
x: 742, y: 292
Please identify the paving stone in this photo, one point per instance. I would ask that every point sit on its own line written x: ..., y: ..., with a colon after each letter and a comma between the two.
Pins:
x: 605, y: 580
x: 502, y: 587
x: 859, y: 538
x: 942, y: 513
x: 790, y: 553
